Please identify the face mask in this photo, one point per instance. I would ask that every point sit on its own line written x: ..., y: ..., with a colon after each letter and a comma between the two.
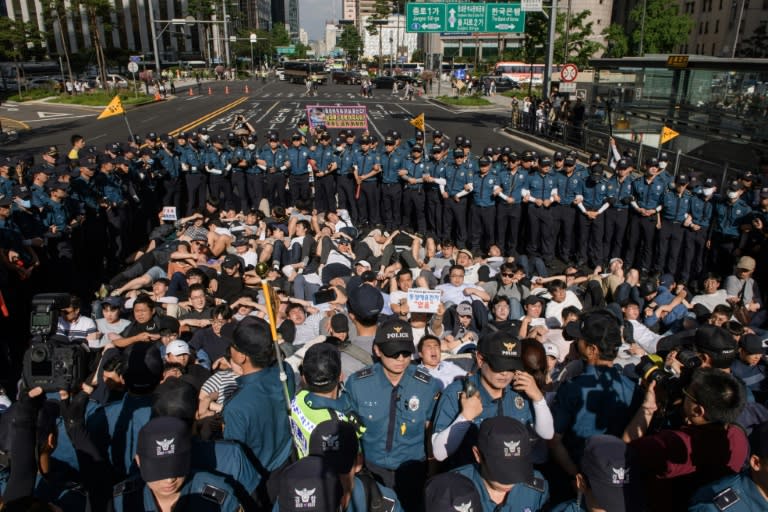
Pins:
x: 251, y: 146
x: 205, y: 138
x: 26, y: 203
x: 708, y: 191
x: 733, y: 195
x: 662, y: 165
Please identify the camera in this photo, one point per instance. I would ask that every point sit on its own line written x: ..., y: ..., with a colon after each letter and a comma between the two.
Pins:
x: 52, y: 362
x: 669, y: 386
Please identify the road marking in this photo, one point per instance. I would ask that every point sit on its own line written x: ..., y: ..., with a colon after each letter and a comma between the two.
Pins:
x: 426, y: 124
x: 370, y: 120
x: 209, y: 116
x: 52, y: 115
x: 14, y: 123
x: 268, y: 111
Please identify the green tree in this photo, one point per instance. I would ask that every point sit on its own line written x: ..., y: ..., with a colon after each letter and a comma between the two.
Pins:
x: 662, y: 30
x: 618, y: 42
x: 202, y: 10
x: 351, y: 42
x: 17, y: 42
x: 300, y: 51
x: 580, y: 47
x: 381, y: 11
x: 279, y: 35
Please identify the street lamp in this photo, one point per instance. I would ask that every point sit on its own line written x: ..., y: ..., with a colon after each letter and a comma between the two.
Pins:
x: 380, y: 23
x: 391, y: 56
x: 252, y: 39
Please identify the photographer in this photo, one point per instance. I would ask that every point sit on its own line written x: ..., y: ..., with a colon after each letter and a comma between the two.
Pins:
x: 708, y: 446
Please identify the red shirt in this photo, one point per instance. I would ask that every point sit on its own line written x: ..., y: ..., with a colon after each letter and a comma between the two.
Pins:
x: 674, y: 463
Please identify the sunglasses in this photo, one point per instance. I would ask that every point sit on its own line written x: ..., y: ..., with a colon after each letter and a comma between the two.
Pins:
x: 507, y: 274
x: 403, y: 354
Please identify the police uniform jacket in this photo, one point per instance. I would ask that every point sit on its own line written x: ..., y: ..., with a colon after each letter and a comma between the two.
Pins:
x: 324, y: 157
x: 275, y: 159
x: 482, y: 188
x: 541, y: 186
x: 675, y: 207
x: 620, y: 192
x: 512, y: 184
x: 595, y: 193
x: 415, y: 170
x: 728, y: 217
x: 531, y: 495
x: 365, y: 161
x: 648, y: 195
x: 456, y: 177
x: 394, y: 416
x: 256, y: 416
x: 568, y: 187
x: 391, y: 163
x: 737, y: 493
x: 299, y: 158
x: 201, y: 492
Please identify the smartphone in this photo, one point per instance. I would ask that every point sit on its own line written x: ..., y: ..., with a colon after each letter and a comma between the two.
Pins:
x: 323, y: 296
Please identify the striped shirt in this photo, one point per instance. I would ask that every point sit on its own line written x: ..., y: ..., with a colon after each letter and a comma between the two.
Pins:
x: 223, y: 382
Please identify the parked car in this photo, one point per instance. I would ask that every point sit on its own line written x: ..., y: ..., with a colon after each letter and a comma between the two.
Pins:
x: 386, y: 81
x: 339, y: 76
x: 503, y: 83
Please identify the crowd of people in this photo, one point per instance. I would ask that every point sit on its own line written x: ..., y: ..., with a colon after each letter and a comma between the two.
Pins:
x: 337, y: 322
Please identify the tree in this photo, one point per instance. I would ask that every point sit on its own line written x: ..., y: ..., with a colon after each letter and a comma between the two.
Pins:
x: 97, y: 11
x: 580, y: 47
x: 202, y: 10
x: 618, y: 42
x: 661, y: 29
x: 351, y: 42
x: 279, y: 35
x: 17, y: 42
x: 755, y: 46
x: 300, y: 51
x: 381, y: 11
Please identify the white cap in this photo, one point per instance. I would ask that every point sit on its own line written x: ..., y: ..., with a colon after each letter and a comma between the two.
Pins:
x: 551, y: 350
x: 177, y: 348
x: 364, y: 263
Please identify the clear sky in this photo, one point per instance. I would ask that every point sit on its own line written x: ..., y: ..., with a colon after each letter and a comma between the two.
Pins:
x: 314, y: 13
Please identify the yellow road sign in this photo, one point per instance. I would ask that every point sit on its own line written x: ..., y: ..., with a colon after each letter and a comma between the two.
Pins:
x: 668, y: 134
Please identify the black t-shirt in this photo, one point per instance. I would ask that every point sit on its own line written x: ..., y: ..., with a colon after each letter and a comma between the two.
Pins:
x: 214, y: 346
x: 154, y: 326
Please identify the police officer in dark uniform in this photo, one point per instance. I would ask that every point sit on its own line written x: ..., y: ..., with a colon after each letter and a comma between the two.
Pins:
x: 345, y: 177
x: 675, y: 213
x: 731, y: 212
x: 239, y: 159
x: 509, y: 194
x: 191, y: 161
x: 218, y: 165
x: 540, y: 193
x: 391, y: 162
x: 570, y: 186
x: 617, y: 216
x: 457, y: 186
x: 298, y: 156
x: 646, y: 204
x: 483, y: 209
x: 171, y: 168
x: 435, y: 168
x: 274, y: 162
x: 164, y: 456
x: 394, y: 401
x: 591, y: 220
x: 366, y: 171
x: 697, y: 230
x: 325, y: 177
x: 412, y: 174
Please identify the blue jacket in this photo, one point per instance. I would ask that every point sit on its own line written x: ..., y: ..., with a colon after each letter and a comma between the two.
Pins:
x: 531, y: 495
x: 738, y: 492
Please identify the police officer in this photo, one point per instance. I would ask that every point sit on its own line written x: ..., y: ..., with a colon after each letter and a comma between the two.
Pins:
x: 298, y: 156
x: 697, y: 230
x: 164, y: 456
x: 391, y: 162
x: 394, y: 401
x: 570, y: 191
x: 502, y: 471
x: 617, y: 216
x: 509, y: 212
x: 412, y: 174
x: 366, y: 169
x: 239, y: 158
x: 483, y: 210
x: 327, y: 164
x: 218, y: 164
x: 731, y: 212
x: 541, y: 193
x: 458, y: 179
x: 435, y: 168
x: 675, y: 213
x: 37, y: 188
x: 646, y: 204
x: 743, y: 492
x: 171, y: 167
x: 347, y: 154
x: 273, y: 161
x: 499, y: 388
x: 191, y: 161
x: 591, y: 221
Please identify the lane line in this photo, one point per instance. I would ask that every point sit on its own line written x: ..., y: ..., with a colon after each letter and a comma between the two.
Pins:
x: 209, y: 116
x: 268, y: 111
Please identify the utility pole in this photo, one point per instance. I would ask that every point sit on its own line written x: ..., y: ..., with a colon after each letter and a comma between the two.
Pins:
x: 550, y: 51
x: 226, y: 33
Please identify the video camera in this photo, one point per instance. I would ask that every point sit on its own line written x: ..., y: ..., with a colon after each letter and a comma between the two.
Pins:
x: 52, y: 362
x: 669, y: 386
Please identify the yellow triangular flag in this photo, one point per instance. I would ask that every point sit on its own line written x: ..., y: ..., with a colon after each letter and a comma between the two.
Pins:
x: 418, y: 122
x: 114, y: 108
x: 668, y: 134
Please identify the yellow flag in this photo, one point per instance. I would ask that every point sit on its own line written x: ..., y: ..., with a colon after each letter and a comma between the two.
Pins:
x: 418, y: 122
x: 668, y: 134
x: 114, y: 108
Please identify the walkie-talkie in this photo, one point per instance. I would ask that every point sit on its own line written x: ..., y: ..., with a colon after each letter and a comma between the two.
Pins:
x: 470, y: 389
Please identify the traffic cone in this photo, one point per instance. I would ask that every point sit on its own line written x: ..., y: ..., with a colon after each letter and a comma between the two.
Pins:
x: 226, y: 89
x: 158, y: 97
x: 246, y: 89
x: 210, y: 92
x: 190, y: 92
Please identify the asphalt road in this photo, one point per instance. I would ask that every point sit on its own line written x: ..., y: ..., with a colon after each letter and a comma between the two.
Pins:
x: 271, y: 105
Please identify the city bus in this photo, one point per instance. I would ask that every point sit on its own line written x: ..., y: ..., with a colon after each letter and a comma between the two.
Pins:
x: 411, y: 68
x: 297, y: 71
x: 521, y: 72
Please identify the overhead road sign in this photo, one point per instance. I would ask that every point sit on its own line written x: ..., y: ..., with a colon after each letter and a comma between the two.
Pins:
x: 464, y: 17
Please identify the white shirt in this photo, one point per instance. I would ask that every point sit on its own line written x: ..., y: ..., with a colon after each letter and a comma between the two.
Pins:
x: 555, y: 309
x: 646, y: 338
x: 455, y: 294
x: 710, y: 300
x: 446, y: 372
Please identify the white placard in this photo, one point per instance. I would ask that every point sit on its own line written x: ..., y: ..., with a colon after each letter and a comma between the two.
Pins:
x: 423, y: 300
x: 531, y: 5
x: 169, y: 213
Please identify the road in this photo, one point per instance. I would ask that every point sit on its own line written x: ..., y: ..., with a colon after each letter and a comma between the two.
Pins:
x: 272, y: 105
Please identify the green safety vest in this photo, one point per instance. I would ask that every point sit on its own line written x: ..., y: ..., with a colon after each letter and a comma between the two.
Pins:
x: 304, y: 419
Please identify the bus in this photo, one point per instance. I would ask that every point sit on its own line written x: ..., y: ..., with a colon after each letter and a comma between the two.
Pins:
x: 297, y: 71
x: 410, y: 68
x: 521, y: 72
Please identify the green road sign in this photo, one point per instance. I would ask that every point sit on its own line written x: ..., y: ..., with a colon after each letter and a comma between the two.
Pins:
x: 285, y: 50
x: 464, y: 17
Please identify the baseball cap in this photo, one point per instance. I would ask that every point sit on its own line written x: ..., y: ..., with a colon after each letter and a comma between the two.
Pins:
x: 746, y: 262
x: 143, y: 367
x: 177, y: 348
x: 607, y: 466
x: 451, y: 491
x: 595, y: 157
x: 394, y: 336
x: 622, y: 164
x: 458, y: 153
x: 115, y: 302
x: 310, y: 484
x: 502, y: 351
x: 545, y: 161
x: 164, y: 448
x: 533, y: 299
x: 231, y: 260
x: 735, y: 186
x: 715, y: 340
x: 764, y: 193
x: 282, y: 227
x: 599, y: 327
x: 365, y: 301
x: 483, y: 162
x: 335, y: 441
x: 753, y: 344
x: 321, y: 366
x: 365, y: 140
x: 464, y: 309
x: 252, y: 337
x: 652, y: 162
x: 364, y: 263
x: 505, y: 445
x: 340, y: 323
x: 681, y: 179
x: 551, y: 349
x: 417, y: 148
x: 51, y: 151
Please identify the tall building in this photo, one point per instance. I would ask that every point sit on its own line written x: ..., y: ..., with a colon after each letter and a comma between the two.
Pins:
x: 303, y: 37
x: 254, y: 14
x: 331, y: 34
x: 720, y: 25
x: 600, y: 14
x: 349, y: 10
x: 292, y: 18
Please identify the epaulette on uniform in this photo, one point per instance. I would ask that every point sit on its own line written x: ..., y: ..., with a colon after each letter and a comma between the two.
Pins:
x: 364, y: 373
x: 422, y: 376
x: 536, y: 483
x: 725, y: 499
x: 214, y: 494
